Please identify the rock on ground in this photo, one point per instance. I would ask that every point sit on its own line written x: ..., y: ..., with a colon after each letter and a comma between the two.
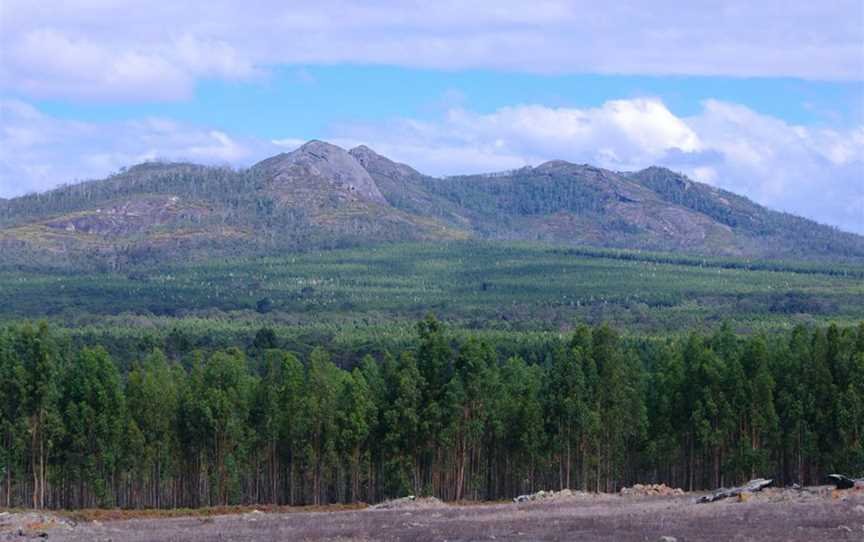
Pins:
x: 553, y: 495
x: 410, y: 503
x: 651, y: 490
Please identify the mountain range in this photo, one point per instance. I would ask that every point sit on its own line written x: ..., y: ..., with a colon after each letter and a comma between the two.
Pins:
x: 323, y: 196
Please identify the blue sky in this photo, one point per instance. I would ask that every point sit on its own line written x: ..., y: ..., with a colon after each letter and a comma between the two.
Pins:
x: 310, y: 99
x: 764, y: 100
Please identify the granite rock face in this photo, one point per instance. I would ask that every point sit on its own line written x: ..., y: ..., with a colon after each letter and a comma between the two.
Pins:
x: 318, y: 165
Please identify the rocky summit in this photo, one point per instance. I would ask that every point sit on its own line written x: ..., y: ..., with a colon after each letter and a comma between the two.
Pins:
x: 320, y: 166
x: 322, y: 196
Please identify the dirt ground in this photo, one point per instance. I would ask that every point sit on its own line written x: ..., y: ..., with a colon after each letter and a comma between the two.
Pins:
x: 774, y: 514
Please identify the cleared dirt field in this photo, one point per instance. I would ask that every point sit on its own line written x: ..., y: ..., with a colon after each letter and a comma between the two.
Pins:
x: 818, y: 514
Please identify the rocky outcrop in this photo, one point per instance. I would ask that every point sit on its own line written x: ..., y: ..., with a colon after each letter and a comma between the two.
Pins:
x: 376, y: 164
x: 318, y: 165
x: 130, y: 216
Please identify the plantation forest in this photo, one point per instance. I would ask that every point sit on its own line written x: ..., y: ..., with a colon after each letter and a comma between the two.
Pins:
x: 449, y: 415
x: 466, y: 370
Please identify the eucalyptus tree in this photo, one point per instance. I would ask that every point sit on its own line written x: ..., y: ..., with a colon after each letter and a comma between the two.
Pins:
x: 93, y: 408
x: 13, y: 423
x: 38, y: 361
x: 323, y: 382
x: 356, y: 418
x: 402, y: 428
x: 523, y: 428
x: 152, y: 398
x: 435, y: 363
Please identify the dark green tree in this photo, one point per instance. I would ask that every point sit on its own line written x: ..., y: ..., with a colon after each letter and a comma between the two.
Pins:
x: 37, y: 354
x: 152, y: 397
x: 94, y: 417
x: 323, y: 382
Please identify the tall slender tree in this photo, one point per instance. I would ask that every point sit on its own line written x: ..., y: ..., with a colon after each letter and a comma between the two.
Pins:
x: 39, y: 360
x: 93, y: 406
x: 152, y: 397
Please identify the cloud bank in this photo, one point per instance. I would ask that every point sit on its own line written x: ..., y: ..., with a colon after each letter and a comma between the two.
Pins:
x: 814, y: 172
x: 147, y: 50
x: 38, y: 151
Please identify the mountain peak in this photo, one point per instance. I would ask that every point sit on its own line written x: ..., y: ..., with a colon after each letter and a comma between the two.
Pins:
x: 376, y: 163
x: 316, y: 148
x: 553, y: 164
x: 363, y: 149
x: 318, y: 161
x: 319, y: 147
x: 365, y: 155
x: 661, y: 174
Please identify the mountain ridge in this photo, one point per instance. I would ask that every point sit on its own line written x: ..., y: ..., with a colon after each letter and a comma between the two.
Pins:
x: 322, y: 196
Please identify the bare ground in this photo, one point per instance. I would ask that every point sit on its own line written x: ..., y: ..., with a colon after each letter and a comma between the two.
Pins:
x: 818, y: 514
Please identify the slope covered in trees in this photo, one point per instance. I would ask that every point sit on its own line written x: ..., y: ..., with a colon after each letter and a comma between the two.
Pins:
x: 378, y: 293
x: 321, y: 196
x: 446, y: 417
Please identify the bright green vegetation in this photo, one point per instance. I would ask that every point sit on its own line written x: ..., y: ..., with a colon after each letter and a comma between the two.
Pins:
x: 372, y: 296
x: 445, y: 416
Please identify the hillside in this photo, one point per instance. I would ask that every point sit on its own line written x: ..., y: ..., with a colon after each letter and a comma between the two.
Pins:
x: 378, y: 294
x: 321, y: 196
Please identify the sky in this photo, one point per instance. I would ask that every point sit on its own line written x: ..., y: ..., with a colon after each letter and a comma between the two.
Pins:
x: 762, y: 98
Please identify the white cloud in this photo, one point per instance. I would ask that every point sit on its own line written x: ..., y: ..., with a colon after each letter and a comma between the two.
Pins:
x: 38, y: 151
x: 136, y: 49
x: 632, y: 130
x: 621, y: 135
x: 47, y: 62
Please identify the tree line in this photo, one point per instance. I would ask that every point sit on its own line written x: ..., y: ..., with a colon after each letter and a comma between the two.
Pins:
x: 444, y: 417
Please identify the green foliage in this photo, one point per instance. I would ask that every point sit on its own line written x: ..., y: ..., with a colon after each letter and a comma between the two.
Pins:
x: 521, y: 430
x: 152, y: 398
x: 94, y: 420
x: 321, y: 399
x: 366, y: 301
x: 13, y: 425
x: 797, y: 236
x: 35, y: 363
x: 448, y: 416
x: 401, y: 425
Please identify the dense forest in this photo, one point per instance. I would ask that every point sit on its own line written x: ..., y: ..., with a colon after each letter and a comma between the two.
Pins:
x: 497, y: 286
x: 446, y: 416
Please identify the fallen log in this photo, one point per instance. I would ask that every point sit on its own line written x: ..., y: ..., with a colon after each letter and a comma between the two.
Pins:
x: 750, y: 487
x: 841, y: 481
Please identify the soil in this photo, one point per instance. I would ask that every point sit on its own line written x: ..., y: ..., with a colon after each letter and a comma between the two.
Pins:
x: 410, y: 503
x: 774, y: 514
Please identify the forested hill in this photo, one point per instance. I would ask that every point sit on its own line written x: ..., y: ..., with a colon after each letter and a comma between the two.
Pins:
x: 321, y: 196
